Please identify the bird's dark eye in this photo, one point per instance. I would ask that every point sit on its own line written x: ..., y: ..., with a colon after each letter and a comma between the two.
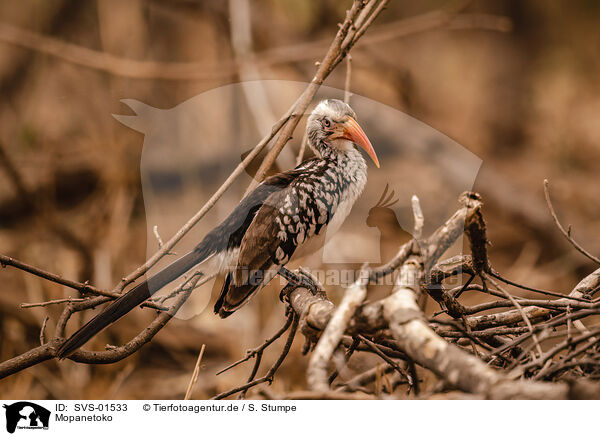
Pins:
x: 326, y: 122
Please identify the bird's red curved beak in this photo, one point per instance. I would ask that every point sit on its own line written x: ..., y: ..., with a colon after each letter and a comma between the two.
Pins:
x: 354, y: 133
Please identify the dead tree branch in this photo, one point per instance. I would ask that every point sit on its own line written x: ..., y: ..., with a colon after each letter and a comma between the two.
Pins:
x: 566, y: 233
x: 400, y: 315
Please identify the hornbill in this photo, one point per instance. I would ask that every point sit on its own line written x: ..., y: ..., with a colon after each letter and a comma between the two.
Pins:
x: 285, y: 216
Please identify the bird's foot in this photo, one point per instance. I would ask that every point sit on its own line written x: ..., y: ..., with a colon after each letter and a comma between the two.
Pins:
x: 302, y: 278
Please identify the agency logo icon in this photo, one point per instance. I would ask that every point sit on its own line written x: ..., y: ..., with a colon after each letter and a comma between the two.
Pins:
x: 26, y: 415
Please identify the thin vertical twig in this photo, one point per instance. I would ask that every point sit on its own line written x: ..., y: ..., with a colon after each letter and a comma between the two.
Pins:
x: 419, y: 221
x: 157, y: 236
x: 194, y: 379
x: 43, y: 330
x: 347, y: 93
x: 302, y: 150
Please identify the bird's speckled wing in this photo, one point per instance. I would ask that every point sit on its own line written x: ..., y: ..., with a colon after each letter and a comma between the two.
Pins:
x: 287, y: 219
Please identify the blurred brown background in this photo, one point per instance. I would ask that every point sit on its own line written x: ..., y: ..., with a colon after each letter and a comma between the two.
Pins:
x: 519, y: 90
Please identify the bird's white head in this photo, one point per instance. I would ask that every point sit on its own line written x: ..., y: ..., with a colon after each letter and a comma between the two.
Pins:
x: 332, y: 127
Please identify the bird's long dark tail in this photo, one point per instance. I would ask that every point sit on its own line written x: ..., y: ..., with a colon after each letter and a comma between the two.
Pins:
x: 129, y: 300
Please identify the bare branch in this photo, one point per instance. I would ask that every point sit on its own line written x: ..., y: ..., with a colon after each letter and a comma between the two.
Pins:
x: 84, y: 288
x: 188, y: 392
x: 418, y: 217
x: 43, y: 330
x: 337, y: 325
x: 567, y: 234
x: 347, y: 93
x: 268, y: 377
